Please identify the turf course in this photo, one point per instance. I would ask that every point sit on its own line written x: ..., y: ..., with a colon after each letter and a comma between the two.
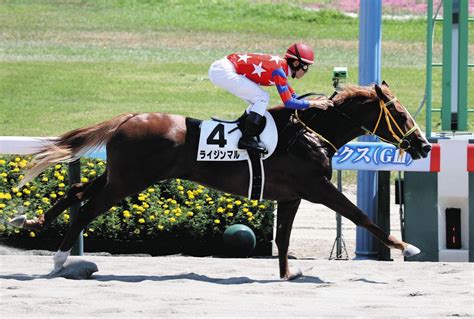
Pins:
x: 65, y: 64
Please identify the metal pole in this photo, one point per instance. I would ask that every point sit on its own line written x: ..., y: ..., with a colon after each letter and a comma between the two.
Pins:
x: 463, y: 10
x: 429, y: 66
x: 75, y: 177
x: 370, y: 41
x: 383, y: 212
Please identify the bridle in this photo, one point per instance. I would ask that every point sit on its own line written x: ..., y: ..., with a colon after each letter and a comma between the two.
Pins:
x: 400, y: 141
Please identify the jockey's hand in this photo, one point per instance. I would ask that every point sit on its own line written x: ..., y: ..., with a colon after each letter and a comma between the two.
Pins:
x: 322, y: 104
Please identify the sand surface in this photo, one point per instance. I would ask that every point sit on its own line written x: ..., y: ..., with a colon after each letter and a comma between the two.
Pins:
x: 131, y: 286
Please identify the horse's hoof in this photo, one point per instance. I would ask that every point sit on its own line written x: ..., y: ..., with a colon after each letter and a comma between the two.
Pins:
x: 411, y: 251
x: 18, y: 221
x: 291, y: 276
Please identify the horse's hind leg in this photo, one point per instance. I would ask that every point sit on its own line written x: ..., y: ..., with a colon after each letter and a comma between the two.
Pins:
x: 98, y: 203
x: 77, y: 193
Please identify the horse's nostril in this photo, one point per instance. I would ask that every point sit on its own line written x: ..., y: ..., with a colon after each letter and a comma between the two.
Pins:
x: 426, y: 148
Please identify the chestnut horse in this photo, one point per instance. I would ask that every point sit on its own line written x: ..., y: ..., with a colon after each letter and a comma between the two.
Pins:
x: 143, y: 149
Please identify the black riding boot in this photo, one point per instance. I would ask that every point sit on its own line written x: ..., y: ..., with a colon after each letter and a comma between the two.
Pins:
x: 252, y: 128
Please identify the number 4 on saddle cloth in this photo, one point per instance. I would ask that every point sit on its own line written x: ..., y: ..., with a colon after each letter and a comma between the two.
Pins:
x: 218, y: 142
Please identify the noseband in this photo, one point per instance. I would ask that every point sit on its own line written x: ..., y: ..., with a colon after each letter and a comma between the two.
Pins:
x: 400, y: 141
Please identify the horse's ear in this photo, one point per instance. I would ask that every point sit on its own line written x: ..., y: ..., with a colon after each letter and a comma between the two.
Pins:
x: 379, y: 92
x: 385, y: 83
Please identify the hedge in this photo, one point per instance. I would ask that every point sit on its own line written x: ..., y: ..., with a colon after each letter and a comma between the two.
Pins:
x: 173, y: 208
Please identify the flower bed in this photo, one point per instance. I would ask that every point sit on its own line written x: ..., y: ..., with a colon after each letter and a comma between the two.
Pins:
x: 175, y: 209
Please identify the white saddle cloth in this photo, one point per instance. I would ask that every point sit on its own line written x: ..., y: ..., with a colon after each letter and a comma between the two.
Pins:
x: 218, y: 141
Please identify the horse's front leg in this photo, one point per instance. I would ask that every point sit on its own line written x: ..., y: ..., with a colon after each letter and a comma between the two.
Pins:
x: 286, y: 212
x: 329, y: 196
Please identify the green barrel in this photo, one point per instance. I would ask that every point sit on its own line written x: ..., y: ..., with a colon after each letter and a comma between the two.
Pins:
x: 239, y: 241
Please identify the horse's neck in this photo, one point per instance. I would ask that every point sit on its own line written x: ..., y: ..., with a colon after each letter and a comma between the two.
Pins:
x: 339, y: 130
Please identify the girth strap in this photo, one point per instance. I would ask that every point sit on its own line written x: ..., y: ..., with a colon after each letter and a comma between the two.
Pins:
x: 257, y: 176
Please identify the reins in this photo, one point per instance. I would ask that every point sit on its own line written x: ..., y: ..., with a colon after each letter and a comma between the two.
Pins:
x: 401, y: 141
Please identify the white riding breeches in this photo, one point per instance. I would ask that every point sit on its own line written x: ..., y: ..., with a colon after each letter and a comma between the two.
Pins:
x: 222, y: 73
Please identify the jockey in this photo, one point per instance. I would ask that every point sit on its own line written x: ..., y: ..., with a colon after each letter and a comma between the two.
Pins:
x: 243, y: 74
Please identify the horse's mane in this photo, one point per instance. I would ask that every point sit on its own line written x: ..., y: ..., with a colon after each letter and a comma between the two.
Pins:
x: 350, y: 91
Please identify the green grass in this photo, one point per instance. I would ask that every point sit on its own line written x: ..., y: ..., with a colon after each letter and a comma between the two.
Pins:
x: 65, y: 64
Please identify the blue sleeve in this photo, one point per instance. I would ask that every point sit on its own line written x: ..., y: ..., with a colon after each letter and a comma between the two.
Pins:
x: 287, y: 94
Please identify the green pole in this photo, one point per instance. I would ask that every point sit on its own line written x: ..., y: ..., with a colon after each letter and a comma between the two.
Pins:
x: 463, y: 67
x: 75, y: 177
x: 429, y: 66
x: 447, y: 65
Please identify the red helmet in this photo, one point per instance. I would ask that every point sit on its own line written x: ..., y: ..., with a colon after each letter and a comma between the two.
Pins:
x: 302, y: 52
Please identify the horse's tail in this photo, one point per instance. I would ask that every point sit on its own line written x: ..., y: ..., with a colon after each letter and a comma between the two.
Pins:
x: 72, y: 145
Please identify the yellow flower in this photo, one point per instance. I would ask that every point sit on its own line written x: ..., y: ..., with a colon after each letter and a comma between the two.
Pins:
x: 249, y: 214
x: 220, y: 210
x: 180, y: 188
x: 66, y: 217
x: 19, y: 194
x: 3, y: 175
x: 141, y: 221
x: 152, y: 217
x: 61, y: 185
x: 8, y: 196
x: 245, y: 209
x: 53, y: 195
x: 151, y: 190
x: 39, y: 212
x: 161, y: 227
x: 238, y: 202
x: 261, y: 206
x: 250, y: 219
x: 85, y: 235
x: 84, y: 179
x: 190, y: 214
x: 172, y: 219
x: 26, y: 191
x: 166, y: 212
x: 230, y: 214
x: 27, y: 203
x: 60, y: 193
x: 57, y: 166
x: 126, y: 214
x: 44, y: 179
x: 15, y: 189
x: 2, y: 162
x: 174, y: 202
x: 190, y: 196
x: 217, y: 221
x: 113, y: 209
x: 136, y: 231
x: 32, y: 234
x: 2, y: 205
x: 61, y: 178
x: 17, y: 159
x: 229, y: 206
